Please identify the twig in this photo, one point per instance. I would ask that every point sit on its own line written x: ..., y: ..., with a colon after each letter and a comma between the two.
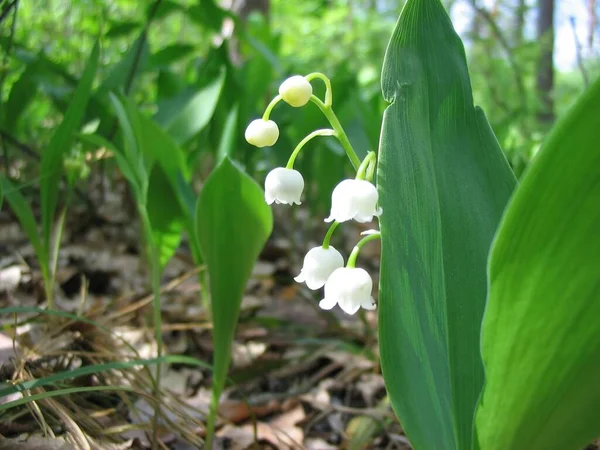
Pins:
x: 7, y: 9
x: 20, y: 145
x: 578, y: 50
x: 485, y: 14
x: 140, y: 47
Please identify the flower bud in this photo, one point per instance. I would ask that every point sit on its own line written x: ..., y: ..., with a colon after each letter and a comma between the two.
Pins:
x: 262, y: 133
x: 296, y: 91
x: 354, y: 199
x: 283, y: 186
x: 350, y: 288
x: 319, y: 264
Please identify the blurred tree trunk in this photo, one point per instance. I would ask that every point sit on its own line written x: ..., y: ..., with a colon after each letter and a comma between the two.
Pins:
x: 520, y: 12
x: 246, y: 7
x: 545, y: 69
x: 591, y: 4
x: 243, y: 8
x: 476, y: 30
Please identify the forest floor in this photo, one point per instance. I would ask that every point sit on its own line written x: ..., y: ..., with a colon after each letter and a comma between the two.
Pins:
x: 301, y: 378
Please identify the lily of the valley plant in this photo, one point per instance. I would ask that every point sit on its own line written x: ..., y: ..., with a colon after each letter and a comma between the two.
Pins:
x: 352, y: 199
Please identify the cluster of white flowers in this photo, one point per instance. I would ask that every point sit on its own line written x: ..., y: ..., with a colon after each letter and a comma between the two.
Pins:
x: 352, y: 199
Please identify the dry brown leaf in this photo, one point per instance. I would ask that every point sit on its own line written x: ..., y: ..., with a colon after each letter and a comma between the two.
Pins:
x: 281, y: 432
x: 237, y: 411
x: 10, y: 277
x: 319, y: 444
x: 35, y: 443
x: 238, y: 438
x: 283, y: 429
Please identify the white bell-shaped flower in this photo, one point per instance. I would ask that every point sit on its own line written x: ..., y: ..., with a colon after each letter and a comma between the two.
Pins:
x: 319, y: 264
x: 350, y: 288
x: 296, y: 91
x: 283, y: 186
x: 354, y: 199
x: 262, y: 133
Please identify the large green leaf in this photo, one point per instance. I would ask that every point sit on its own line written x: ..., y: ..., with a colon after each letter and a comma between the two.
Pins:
x: 540, y: 339
x: 21, y: 208
x: 233, y: 223
x: 168, y: 56
x: 229, y: 134
x: 22, y: 93
x: 165, y: 214
x: 150, y: 148
x: 188, y: 113
x: 52, y: 155
x: 156, y: 144
x: 443, y: 185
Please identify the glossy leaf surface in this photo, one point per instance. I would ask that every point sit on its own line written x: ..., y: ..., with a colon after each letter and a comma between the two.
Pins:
x: 443, y: 184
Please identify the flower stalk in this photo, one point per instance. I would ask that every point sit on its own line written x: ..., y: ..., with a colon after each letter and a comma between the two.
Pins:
x: 359, y: 245
x: 327, y: 237
x: 303, y: 142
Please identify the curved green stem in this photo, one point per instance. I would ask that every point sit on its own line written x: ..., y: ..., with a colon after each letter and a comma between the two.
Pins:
x: 156, y: 310
x: 360, y: 244
x: 339, y: 131
x: 323, y: 132
x: 367, y: 167
x: 327, y: 237
x: 270, y: 107
x: 55, y: 249
x: 327, y: 81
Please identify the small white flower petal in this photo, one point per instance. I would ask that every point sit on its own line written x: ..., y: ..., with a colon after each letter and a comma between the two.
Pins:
x: 301, y: 278
x: 369, y: 304
x: 262, y: 133
x: 354, y: 199
x: 327, y: 303
x: 319, y: 263
x: 313, y: 284
x: 363, y: 219
x: 284, y: 186
x: 269, y: 198
x: 296, y: 91
x: 350, y: 288
x: 369, y: 232
x: 349, y: 307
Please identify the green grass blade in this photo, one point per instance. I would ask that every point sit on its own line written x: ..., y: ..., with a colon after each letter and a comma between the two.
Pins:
x: 61, y: 142
x: 21, y: 208
x: 47, y: 312
x: 443, y: 184
x: 132, y: 162
x: 61, y: 392
x: 98, y: 368
x: 229, y: 134
x: 233, y: 223
x: 540, y: 339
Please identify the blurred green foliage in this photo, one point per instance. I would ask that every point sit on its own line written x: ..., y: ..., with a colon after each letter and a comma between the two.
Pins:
x: 167, y: 55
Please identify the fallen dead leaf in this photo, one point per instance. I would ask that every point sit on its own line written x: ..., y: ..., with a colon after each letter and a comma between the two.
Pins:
x: 318, y: 444
x: 36, y: 443
x: 281, y: 432
x: 237, y: 411
x: 10, y: 277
